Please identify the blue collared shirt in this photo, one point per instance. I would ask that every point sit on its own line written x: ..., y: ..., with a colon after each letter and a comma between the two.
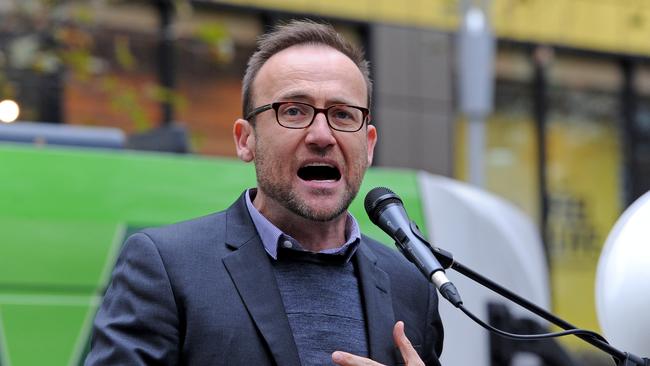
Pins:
x: 272, y: 237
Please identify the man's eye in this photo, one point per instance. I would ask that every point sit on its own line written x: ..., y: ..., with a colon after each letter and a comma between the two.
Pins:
x: 292, y: 111
x: 342, y: 115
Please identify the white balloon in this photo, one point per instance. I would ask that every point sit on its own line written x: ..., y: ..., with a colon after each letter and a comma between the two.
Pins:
x: 9, y: 111
x: 623, y: 281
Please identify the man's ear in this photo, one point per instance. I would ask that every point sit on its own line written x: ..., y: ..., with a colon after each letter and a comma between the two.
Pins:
x: 371, y: 140
x: 244, y: 140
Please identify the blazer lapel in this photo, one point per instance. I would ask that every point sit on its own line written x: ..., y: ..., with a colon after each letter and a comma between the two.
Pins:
x: 251, y: 271
x: 380, y: 318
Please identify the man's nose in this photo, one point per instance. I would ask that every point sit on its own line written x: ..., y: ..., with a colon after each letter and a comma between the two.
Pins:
x: 319, y: 132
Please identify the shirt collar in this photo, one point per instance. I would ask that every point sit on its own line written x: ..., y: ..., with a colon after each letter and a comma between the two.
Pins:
x: 272, y: 236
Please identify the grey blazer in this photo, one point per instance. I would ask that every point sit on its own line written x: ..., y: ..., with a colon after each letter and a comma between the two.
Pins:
x: 203, y: 292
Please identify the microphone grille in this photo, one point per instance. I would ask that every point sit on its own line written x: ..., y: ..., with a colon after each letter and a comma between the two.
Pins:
x: 377, y: 199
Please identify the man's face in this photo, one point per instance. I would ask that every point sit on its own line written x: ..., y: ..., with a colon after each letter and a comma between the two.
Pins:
x: 313, y: 172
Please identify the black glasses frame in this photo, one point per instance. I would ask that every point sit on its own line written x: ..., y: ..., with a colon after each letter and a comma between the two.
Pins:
x: 276, y: 106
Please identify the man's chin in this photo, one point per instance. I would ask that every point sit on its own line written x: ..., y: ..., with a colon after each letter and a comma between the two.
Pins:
x: 320, y: 215
x: 313, y: 203
x: 320, y: 188
x: 319, y: 205
x: 329, y: 208
x: 321, y: 212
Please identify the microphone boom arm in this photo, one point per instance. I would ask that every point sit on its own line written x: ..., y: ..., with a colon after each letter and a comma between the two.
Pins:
x: 385, y: 209
x: 446, y: 259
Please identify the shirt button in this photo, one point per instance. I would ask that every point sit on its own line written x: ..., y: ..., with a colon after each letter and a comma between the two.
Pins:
x: 287, y: 244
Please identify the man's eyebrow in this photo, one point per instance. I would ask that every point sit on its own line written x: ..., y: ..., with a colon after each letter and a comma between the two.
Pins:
x: 296, y: 96
x: 301, y: 97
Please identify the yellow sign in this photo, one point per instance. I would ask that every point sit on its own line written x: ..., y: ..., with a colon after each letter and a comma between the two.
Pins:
x: 604, y: 25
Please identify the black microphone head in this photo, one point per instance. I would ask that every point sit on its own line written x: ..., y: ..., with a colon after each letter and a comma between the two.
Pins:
x: 377, y: 199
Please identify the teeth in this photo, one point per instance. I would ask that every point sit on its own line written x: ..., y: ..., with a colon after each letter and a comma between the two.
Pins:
x: 319, y: 164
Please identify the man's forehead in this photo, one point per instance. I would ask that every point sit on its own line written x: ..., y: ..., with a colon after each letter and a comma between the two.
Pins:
x: 289, y: 71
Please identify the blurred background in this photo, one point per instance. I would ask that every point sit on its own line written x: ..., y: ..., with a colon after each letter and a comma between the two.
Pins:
x: 566, y: 138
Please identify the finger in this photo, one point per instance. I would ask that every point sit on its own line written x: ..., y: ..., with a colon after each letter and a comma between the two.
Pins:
x: 347, y: 359
x: 409, y: 354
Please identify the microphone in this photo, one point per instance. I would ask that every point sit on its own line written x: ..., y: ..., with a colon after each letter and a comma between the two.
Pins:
x: 386, y: 210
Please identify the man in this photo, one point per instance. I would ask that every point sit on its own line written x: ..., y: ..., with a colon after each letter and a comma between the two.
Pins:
x: 283, y: 276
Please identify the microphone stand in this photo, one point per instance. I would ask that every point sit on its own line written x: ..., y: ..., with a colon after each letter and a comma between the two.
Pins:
x: 446, y: 259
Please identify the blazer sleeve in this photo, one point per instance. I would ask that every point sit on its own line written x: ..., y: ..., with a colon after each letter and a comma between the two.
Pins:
x: 434, y: 334
x: 137, y: 323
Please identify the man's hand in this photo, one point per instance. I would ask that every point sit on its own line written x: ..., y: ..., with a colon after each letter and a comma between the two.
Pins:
x: 409, y: 354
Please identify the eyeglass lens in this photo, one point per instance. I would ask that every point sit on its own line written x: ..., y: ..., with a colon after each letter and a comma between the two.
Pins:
x: 297, y: 115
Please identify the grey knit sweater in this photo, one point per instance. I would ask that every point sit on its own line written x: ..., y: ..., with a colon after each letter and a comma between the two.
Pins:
x: 323, y: 302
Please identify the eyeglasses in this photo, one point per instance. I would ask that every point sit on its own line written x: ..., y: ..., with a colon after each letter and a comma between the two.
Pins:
x: 296, y: 115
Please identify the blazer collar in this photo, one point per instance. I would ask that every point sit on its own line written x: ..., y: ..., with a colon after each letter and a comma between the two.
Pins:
x: 378, y: 306
x: 251, y: 271
x: 239, y: 226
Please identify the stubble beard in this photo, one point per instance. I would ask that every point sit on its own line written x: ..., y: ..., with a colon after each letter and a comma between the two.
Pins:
x: 280, y: 191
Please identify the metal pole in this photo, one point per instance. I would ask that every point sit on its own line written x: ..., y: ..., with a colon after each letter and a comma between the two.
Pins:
x: 475, y: 83
x: 476, y: 151
x: 166, y: 57
x: 541, y: 57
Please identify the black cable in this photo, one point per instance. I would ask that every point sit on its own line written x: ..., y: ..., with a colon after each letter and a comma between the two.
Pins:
x: 540, y: 336
x: 591, y: 338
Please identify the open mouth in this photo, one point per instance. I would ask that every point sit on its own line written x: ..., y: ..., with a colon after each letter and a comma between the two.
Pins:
x: 319, y: 172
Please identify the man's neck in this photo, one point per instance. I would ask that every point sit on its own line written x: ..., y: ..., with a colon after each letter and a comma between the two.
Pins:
x: 312, y: 235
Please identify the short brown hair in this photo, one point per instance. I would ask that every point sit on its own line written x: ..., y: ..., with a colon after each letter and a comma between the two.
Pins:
x: 298, y: 32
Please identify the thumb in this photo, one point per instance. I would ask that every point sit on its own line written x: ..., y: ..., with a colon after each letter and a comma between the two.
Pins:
x: 409, y: 354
